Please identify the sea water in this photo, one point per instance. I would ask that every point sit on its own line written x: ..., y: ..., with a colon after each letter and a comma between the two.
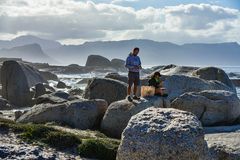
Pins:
x: 233, y: 69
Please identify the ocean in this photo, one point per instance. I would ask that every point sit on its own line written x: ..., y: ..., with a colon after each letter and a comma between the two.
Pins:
x: 233, y: 69
x: 73, y: 79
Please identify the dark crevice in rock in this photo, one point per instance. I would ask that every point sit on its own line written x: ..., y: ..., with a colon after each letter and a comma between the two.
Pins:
x: 204, y: 111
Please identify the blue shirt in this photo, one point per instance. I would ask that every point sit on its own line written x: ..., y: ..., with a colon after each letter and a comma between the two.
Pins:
x: 133, y: 61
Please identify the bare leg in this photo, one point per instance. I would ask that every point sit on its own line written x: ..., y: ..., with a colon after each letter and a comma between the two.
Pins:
x: 129, y: 90
x: 135, y: 89
x: 158, y: 91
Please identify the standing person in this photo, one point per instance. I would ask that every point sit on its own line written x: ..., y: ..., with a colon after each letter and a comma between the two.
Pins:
x: 133, y: 63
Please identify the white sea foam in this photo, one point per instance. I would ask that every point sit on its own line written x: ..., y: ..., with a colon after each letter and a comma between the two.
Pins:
x: 238, y: 91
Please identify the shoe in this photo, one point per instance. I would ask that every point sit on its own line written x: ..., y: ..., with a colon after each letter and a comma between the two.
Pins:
x: 136, y: 98
x: 159, y: 95
x: 129, y: 98
x: 165, y: 95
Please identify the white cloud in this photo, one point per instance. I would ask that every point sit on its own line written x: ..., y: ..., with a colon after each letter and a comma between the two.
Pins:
x: 62, y: 19
x: 189, y: 23
x: 122, y: 1
x: 68, y: 20
x: 199, y: 16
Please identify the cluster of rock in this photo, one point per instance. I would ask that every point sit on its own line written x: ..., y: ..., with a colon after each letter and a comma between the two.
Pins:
x: 94, y: 63
x: 151, y: 128
x: 206, y: 92
x: 22, y: 85
x: 100, y: 61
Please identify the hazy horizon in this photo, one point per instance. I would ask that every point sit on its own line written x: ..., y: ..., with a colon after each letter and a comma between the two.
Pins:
x: 34, y: 49
x: 90, y: 41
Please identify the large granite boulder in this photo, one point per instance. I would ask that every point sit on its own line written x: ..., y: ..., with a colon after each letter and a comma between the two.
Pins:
x: 176, y: 70
x: 158, y: 134
x: 213, y: 73
x: 107, y: 89
x: 97, y: 60
x: 162, y: 67
x: 49, y: 76
x: 17, y: 79
x: 224, y: 146
x: 4, y: 104
x: 117, y: 76
x: 0, y: 87
x: 119, y: 113
x: 236, y: 82
x: 53, y: 98
x: 119, y: 64
x: 75, y: 92
x: 73, y: 69
x: 211, y: 107
x: 39, y: 90
x: 61, y: 84
x: 81, y: 114
x: 233, y: 75
x: 179, y: 84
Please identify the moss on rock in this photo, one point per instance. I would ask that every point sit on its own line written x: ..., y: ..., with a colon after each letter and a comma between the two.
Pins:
x: 90, y: 144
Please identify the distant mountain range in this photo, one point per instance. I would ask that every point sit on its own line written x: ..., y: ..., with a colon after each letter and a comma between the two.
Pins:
x: 29, y: 52
x: 28, y: 39
x: 151, y: 52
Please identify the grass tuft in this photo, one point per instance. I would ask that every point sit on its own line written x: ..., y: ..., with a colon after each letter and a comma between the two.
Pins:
x: 103, y: 149
x: 61, y: 140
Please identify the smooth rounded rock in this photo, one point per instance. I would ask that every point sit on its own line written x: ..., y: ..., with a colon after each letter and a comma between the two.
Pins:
x: 107, y: 89
x: 119, y: 113
x: 211, y: 107
x: 159, y: 133
x: 81, y: 114
x: 17, y: 79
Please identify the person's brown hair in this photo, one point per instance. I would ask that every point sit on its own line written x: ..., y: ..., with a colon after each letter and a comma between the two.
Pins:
x: 156, y: 74
x: 135, y: 49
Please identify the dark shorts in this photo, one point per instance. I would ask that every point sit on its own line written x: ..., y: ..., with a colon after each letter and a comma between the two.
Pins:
x: 133, y: 78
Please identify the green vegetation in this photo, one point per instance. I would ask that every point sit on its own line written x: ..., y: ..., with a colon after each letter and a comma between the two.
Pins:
x: 50, y: 136
x: 99, y: 148
x: 90, y: 144
x: 42, y: 133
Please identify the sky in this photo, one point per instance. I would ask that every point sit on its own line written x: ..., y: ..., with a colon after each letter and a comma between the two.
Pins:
x: 77, y: 21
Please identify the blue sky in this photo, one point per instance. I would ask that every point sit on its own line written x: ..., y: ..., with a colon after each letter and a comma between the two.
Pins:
x: 140, y: 4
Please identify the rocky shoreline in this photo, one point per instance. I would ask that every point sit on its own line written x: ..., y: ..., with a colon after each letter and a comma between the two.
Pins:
x: 199, y: 118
